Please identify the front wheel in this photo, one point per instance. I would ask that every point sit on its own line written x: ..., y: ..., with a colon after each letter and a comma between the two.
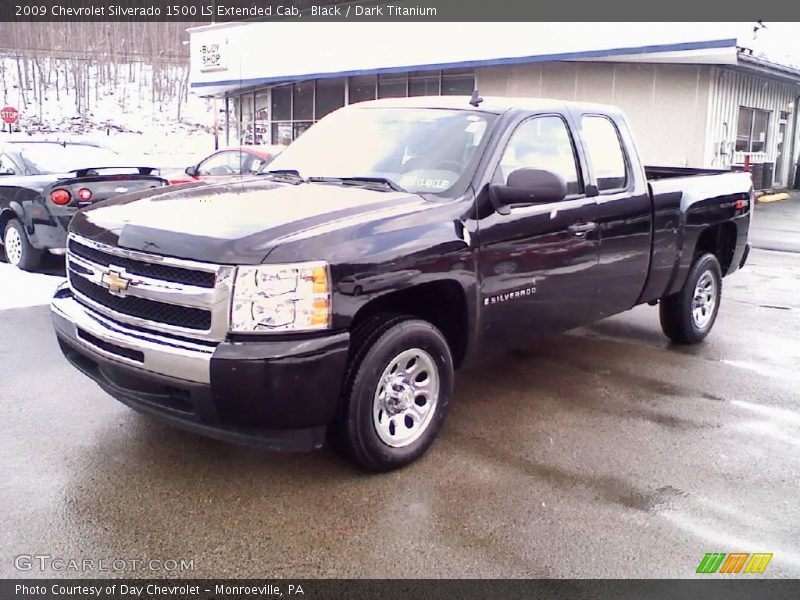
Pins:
x: 688, y: 316
x: 399, y: 383
x: 18, y: 249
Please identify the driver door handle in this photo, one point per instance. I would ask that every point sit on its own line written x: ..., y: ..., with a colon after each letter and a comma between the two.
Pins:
x: 581, y: 229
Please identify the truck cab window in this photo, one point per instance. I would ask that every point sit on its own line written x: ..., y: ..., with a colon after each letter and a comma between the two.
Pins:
x: 542, y: 143
x: 602, y: 144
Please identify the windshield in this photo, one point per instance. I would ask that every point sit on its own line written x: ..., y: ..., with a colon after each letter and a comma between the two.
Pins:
x: 47, y: 157
x: 421, y: 150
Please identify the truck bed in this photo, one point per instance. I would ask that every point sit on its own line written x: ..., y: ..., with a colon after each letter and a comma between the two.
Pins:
x: 684, y: 202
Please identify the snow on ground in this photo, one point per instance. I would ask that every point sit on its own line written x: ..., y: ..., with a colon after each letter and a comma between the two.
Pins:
x: 131, y: 114
x: 20, y: 288
x: 157, y: 147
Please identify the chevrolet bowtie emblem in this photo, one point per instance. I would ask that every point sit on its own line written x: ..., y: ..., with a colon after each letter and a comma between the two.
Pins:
x: 115, y: 282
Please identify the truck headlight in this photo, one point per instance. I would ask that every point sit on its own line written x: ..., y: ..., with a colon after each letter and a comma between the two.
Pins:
x: 289, y: 297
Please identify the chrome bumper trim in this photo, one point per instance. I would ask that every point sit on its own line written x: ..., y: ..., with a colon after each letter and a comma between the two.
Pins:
x: 163, y: 355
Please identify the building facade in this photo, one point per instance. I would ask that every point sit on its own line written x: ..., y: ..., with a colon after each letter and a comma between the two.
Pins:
x: 704, y: 104
x: 278, y: 114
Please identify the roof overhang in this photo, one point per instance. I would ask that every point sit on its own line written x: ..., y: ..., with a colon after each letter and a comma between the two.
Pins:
x: 765, y: 67
x: 264, y: 53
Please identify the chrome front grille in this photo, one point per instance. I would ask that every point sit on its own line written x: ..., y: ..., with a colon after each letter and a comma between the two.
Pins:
x: 142, y: 308
x: 175, y: 296
x: 146, y: 269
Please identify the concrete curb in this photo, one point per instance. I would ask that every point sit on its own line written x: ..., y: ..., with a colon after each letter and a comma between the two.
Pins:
x: 773, y: 197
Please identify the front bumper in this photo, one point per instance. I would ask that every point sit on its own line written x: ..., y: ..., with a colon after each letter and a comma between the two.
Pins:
x: 275, y: 394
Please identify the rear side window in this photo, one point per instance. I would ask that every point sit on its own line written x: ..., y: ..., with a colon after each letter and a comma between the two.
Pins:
x: 602, y: 144
x: 542, y: 143
x: 6, y: 166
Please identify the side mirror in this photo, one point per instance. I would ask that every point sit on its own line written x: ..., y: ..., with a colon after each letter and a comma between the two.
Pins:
x: 191, y: 171
x: 529, y: 186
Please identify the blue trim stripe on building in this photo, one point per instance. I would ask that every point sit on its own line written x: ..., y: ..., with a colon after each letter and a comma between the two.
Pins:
x: 491, y: 62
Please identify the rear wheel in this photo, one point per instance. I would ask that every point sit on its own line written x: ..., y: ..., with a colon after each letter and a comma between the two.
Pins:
x: 398, y: 385
x: 688, y: 316
x: 18, y: 249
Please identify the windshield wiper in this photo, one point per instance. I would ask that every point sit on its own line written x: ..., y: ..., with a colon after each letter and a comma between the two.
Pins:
x: 357, y: 180
x: 294, y: 174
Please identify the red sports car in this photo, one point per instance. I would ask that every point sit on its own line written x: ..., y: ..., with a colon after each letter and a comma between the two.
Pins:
x: 245, y: 160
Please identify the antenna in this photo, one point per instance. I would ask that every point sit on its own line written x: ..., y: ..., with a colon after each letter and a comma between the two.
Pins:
x: 476, y: 99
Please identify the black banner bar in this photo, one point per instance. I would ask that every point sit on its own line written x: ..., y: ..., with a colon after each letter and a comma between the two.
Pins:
x: 736, y: 588
x: 218, y: 11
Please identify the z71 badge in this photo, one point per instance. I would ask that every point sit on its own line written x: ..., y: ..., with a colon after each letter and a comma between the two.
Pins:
x: 528, y: 291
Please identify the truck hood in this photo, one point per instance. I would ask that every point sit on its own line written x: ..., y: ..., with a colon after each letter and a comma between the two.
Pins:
x: 235, y: 222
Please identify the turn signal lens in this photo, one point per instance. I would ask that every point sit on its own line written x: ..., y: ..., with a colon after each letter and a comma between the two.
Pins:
x: 60, y: 197
x: 320, y: 280
x: 84, y: 195
x: 320, y: 314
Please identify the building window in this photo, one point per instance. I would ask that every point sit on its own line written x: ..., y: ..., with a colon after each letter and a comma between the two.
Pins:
x: 282, y: 133
x: 392, y: 85
x: 362, y: 88
x: 423, y: 83
x: 234, y: 120
x: 280, y: 114
x: 751, y: 134
x: 282, y: 103
x: 262, y: 117
x: 330, y: 96
x: 247, y: 136
x: 299, y: 127
x: 458, y: 82
x: 303, y: 101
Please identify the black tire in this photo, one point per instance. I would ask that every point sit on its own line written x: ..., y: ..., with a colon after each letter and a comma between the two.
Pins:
x: 678, y: 321
x: 29, y: 258
x: 375, y: 344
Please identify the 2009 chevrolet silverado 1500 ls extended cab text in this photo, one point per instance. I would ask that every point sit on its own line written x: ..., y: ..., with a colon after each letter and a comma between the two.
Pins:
x: 392, y: 243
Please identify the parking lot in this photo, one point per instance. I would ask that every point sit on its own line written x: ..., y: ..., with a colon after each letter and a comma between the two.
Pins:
x: 603, y: 452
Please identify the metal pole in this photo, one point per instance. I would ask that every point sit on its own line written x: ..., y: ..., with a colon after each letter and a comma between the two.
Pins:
x: 793, y: 157
x: 216, y: 124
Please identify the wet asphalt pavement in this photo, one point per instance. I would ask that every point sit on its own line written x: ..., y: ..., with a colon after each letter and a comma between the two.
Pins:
x: 604, y: 452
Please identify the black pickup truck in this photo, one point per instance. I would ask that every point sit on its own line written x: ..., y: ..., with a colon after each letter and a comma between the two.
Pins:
x: 43, y: 183
x: 394, y: 242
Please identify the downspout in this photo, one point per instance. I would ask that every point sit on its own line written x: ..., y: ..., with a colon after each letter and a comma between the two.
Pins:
x: 795, y: 160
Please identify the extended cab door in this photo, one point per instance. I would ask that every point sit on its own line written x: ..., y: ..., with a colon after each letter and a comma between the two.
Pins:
x: 537, y: 262
x: 624, y: 215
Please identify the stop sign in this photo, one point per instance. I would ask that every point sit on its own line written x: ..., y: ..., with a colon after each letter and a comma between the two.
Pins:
x: 9, y: 114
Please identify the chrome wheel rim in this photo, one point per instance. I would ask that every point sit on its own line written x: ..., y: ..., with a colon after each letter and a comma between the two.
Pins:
x: 704, y: 300
x: 13, y: 246
x: 405, y: 398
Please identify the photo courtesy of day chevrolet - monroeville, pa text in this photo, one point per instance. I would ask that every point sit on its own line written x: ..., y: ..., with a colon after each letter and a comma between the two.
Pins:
x: 419, y: 299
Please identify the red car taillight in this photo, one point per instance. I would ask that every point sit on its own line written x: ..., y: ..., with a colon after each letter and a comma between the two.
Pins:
x: 60, y: 197
x: 84, y: 195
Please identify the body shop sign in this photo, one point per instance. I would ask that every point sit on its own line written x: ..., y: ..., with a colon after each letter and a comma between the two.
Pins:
x: 212, y: 57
